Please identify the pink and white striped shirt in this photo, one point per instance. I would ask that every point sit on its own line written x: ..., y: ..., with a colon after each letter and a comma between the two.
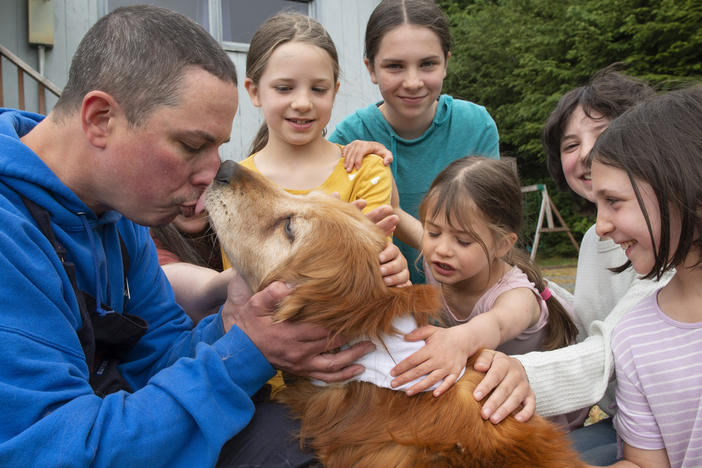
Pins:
x: 659, y: 383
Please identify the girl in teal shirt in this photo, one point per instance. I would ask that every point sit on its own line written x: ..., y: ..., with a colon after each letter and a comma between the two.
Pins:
x: 407, y: 51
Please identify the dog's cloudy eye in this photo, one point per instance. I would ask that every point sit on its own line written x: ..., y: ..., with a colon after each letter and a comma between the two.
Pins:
x: 288, y: 228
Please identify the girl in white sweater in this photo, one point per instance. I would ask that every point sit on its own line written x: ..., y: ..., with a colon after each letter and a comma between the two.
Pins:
x: 581, y: 375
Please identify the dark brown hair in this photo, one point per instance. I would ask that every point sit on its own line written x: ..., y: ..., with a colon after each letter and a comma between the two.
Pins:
x: 390, y: 14
x: 493, y: 187
x: 139, y: 55
x: 608, y: 94
x: 659, y: 142
x: 277, y: 30
x: 200, y: 249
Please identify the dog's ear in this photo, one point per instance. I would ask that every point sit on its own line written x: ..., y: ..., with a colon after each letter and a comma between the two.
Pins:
x: 337, y: 270
x: 353, y: 300
x: 337, y: 278
x: 375, y: 318
x: 370, y: 315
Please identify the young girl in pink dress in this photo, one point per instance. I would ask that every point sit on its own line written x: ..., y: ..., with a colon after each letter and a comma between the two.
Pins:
x: 494, y: 296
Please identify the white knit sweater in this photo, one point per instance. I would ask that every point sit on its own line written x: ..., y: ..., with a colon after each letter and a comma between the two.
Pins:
x: 578, y: 376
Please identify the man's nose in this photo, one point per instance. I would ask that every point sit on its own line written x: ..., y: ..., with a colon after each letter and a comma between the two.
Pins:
x: 206, y: 169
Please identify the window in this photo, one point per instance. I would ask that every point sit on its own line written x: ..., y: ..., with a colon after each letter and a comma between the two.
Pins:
x: 232, y: 22
x: 240, y: 19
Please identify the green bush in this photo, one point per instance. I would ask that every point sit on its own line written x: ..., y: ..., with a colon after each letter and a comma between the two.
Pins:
x: 518, y: 57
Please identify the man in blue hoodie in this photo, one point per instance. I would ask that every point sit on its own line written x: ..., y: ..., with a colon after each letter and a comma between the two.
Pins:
x: 98, y: 365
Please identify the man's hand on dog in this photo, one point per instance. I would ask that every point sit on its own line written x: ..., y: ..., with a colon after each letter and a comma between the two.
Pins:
x: 298, y: 348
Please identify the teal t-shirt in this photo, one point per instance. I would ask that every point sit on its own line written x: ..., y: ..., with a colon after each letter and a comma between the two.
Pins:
x: 460, y: 128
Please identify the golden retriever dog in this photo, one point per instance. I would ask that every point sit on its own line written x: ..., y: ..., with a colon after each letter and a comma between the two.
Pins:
x: 329, y: 250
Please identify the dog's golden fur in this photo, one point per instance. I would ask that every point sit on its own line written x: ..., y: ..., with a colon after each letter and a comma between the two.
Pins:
x: 329, y: 250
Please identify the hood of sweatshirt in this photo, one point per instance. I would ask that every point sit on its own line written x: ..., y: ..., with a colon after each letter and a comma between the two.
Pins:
x: 90, y: 239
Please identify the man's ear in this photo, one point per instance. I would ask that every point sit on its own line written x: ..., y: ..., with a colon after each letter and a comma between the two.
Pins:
x: 505, y: 244
x: 371, y: 70
x: 97, y: 109
x: 252, y: 89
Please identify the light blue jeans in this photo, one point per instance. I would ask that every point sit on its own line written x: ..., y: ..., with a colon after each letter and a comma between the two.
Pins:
x: 596, y: 443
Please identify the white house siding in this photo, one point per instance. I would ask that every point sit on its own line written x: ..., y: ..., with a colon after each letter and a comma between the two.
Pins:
x: 72, y: 18
x: 346, y: 22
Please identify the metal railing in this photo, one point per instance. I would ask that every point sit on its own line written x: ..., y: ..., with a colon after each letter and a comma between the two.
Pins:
x: 23, y: 68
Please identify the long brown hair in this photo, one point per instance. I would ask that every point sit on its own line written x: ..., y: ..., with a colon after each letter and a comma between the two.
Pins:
x: 492, y: 186
x: 200, y: 249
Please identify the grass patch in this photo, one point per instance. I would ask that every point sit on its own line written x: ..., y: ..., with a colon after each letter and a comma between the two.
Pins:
x: 545, y: 262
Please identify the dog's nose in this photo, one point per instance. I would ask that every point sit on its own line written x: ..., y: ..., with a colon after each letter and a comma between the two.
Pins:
x: 226, y: 171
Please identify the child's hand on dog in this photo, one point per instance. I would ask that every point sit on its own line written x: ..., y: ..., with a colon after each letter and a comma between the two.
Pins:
x: 441, y: 360
x: 383, y: 216
x: 299, y: 348
x: 445, y: 355
x: 393, y: 265
x: 507, y: 384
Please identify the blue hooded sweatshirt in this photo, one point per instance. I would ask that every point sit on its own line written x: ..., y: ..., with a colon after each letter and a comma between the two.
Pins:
x: 192, y: 386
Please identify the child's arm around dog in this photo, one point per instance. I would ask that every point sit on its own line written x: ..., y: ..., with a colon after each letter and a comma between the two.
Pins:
x: 447, y: 349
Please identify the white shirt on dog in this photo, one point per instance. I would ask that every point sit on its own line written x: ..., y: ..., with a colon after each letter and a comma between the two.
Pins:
x: 388, y: 353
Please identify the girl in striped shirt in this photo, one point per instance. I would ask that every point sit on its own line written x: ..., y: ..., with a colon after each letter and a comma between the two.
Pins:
x: 647, y: 183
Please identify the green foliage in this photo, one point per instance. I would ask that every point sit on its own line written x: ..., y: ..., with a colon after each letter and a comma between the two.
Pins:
x: 518, y: 57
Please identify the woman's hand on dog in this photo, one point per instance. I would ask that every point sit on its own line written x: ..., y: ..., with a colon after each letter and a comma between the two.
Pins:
x: 507, y: 380
x: 298, y: 348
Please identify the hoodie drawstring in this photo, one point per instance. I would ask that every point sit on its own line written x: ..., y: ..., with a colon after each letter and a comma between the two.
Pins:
x: 96, y: 265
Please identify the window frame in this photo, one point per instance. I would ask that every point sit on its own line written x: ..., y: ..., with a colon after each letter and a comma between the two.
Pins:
x: 214, y: 8
x: 216, y: 22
